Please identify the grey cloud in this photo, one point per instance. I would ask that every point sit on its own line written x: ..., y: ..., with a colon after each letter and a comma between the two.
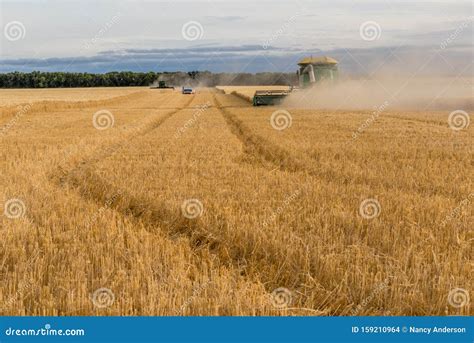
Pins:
x: 253, y: 58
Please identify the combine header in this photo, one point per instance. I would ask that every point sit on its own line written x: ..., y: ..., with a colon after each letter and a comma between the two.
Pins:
x: 162, y: 85
x: 311, y: 70
x: 269, y: 97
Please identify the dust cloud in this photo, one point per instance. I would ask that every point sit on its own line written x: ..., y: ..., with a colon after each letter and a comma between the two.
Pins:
x: 420, y: 94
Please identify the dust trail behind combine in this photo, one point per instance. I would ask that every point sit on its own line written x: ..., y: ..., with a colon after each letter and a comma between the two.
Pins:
x: 384, y: 92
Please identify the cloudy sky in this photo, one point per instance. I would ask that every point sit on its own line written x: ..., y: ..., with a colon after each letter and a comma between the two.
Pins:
x: 239, y: 36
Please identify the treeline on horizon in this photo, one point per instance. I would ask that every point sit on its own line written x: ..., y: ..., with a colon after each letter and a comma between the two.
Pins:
x: 37, y: 79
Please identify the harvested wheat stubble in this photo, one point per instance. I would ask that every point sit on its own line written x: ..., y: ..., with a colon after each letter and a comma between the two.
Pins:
x: 280, y: 209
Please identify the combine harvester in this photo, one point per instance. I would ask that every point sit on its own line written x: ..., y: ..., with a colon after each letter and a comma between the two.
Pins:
x: 162, y: 85
x: 270, y: 97
x: 311, y: 70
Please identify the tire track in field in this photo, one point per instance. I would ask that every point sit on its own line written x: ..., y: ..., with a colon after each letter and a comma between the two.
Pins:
x: 266, y: 151
x: 213, y: 236
x: 258, y: 146
x: 155, y: 216
x: 62, y: 169
x: 93, y: 187
x: 105, y: 151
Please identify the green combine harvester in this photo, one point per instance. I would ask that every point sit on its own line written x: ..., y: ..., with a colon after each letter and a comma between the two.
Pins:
x: 316, y: 69
x: 269, y: 97
x: 162, y: 85
x: 311, y: 70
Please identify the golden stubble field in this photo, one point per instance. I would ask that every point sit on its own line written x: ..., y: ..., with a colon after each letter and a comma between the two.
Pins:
x: 148, y: 202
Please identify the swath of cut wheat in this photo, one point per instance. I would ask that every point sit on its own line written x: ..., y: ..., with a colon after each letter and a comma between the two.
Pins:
x: 141, y: 202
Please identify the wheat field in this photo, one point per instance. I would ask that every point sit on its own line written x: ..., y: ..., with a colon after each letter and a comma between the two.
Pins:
x: 146, y: 202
